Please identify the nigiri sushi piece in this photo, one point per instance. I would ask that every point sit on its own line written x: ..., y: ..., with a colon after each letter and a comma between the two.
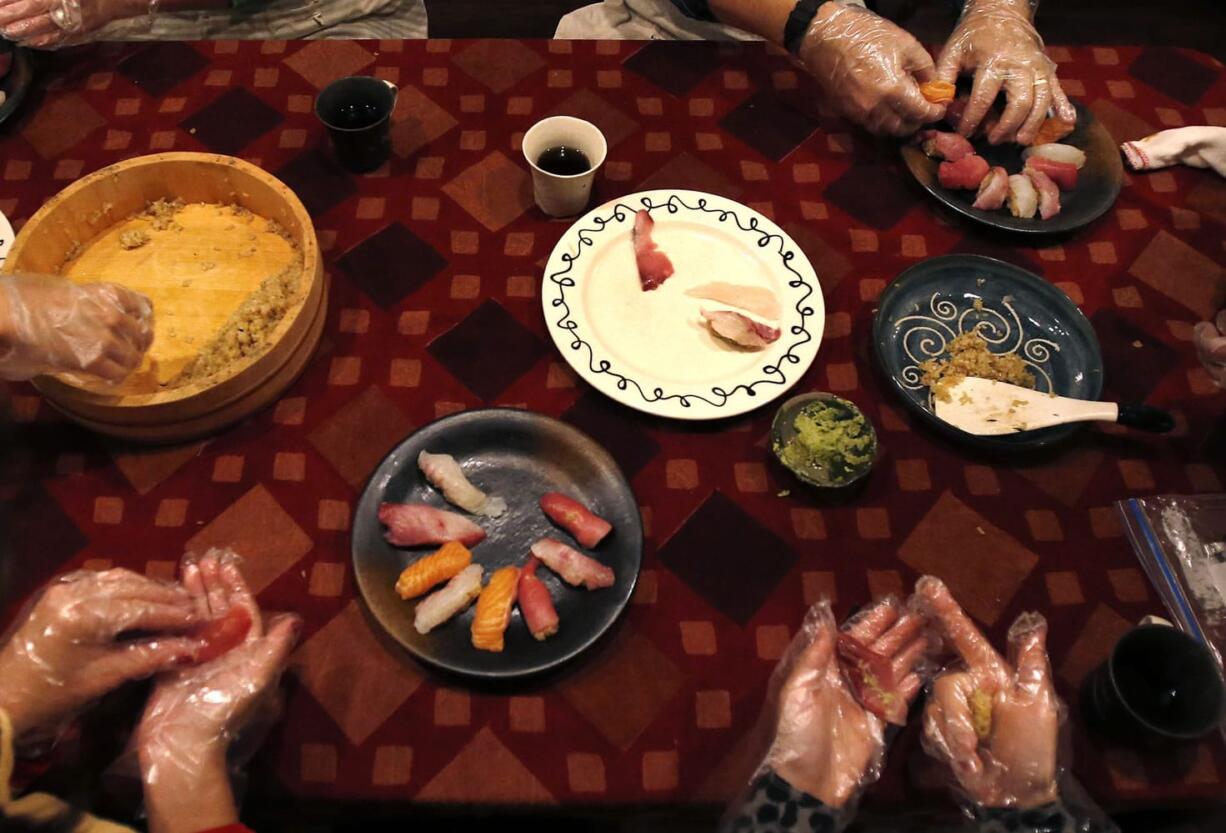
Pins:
x: 740, y: 329
x: 588, y: 528
x: 1049, y: 194
x: 1057, y: 153
x: 536, y: 604
x: 454, y: 597
x: 965, y: 174
x: 415, y: 524
x: 493, y: 612
x: 433, y: 569
x: 1064, y: 174
x: 756, y: 299
x: 941, y: 144
x: 1023, y: 199
x: 938, y: 92
x: 993, y: 190
x: 572, y: 566
x: 653, y: 265
x: 445, y: 474
x: 1053, y: 130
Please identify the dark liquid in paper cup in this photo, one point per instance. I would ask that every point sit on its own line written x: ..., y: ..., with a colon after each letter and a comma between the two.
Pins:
x: 564, y: 161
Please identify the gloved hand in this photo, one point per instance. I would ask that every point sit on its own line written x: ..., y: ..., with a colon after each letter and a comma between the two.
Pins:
x: 50, y: 325
x: 195, y: 714
x: 995, y: 723
x: 996, y: 40
x: 1210, y: 338
x: 46, y: 24
x: 869, y: 69
x: 69, y: 651
x: 826, y: 742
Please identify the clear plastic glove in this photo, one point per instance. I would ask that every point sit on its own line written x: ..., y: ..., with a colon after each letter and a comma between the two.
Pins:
x: 996, y: 40
x: 826, y: 742
x: 870, y: 69
x: 71, y: 651
x: 46, y: 24
x: 50, y: 325
x: 995, y: 723
x: 195, y: 714
x: 1210, y: 338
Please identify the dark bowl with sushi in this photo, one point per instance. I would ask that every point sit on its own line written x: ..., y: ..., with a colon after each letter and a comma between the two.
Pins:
x: 1097, y: 187
x: 16, y: 77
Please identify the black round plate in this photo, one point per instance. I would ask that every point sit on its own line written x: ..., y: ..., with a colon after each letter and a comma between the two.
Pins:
x: 934, y: 300
x: 17, y: 83
x: 1098, y: 182
x: 517, y: 455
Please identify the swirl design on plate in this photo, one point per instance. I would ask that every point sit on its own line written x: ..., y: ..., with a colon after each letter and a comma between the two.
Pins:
x: 925, y: 337
x: 715, y: 396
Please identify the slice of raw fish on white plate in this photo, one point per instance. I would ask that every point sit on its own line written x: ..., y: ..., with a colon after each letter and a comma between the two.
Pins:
x: 445, y: 474
x: 653, y: 265
x: 756, y: 299
x: 740, y: 329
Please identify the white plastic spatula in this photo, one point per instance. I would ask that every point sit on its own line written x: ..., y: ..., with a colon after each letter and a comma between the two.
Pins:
x: 987, y: 408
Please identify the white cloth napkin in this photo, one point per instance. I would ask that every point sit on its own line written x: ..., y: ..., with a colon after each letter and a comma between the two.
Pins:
x: 1200, y: 147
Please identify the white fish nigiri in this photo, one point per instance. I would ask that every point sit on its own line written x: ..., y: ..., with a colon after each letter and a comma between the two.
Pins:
x: 446, y: 602
x: 445, y: 474
x: 1057, y: 153
x: 1023, y: 198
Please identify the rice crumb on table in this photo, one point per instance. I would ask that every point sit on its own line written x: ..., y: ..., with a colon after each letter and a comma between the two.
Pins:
x: 968, y: 355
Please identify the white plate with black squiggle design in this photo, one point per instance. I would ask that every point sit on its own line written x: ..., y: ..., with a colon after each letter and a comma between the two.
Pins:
x: 651, y: 350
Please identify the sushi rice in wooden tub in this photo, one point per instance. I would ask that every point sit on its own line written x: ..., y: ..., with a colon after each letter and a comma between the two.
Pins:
x: 225, y: 251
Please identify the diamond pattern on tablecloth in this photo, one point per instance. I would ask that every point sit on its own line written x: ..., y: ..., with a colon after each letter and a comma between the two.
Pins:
x: 159, y: 67
x: 1064, y: 478
x: 587, y: 105
x: 417, y: 121
x: 605, y: 421
x: 145, y: 468
x: 488, y: 350
x: 597, y: 690
x: 720, y: 525
x: 42, y: 539
x: 261, y: 531
x: 499, y: 65
x: 318, y: 181
x: 60, y: 124
x: 485, y: 771
x: 391, y: 264
x: 1123, y: 125
x: 1208, y: 197
x: 322, y: 62
x: 984, y: 586
x: 494, y: 191
x: 675, y: 67
x: 873, y: 193
x: 357, y: 436
x: 1172, y: 72
x: 830, y: 264
x: 1097, y: 638
x: 1180, y: 272
x: 348, y: 671
x: 686, y: 171
x: 788, y: 126
x: 1134, y: 362
x: 231, y: 122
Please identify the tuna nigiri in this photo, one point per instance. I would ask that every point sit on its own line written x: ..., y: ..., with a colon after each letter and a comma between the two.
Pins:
x: 740, y: 329
x: 653, y: 265
x: 571, y: 565
x: 993, y: 190
x: 1063, y: 174
x: 415, y: 524
x: 536, y: 604
x: 588, y: 528
x: 445, y: 474
x: 441, y: 605
x: 941, y: 144
x: 965, y: 174
x: 219, y: 636
x: 434, y: 569
x: 494, y: 609
x: 1057, y: 153
x: 1023, y: 199
x: 756, y: 299
x: 1049, y: 194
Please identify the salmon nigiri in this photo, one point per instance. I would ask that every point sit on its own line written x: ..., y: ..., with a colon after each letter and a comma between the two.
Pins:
x: 434, y: 569
x: 536, y: 604
x: 494, y: 609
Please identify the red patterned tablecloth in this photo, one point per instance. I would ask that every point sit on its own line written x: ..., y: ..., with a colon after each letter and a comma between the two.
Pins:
x: 436, y: 262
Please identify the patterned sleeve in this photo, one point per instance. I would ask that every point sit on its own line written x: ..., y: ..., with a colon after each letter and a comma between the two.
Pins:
x: 696, y: 9
x: 1049, y: 818
x: 772, y: 805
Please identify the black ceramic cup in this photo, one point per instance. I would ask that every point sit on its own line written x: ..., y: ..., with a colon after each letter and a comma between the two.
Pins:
x: 1158, y: 686
x: 357, y: 112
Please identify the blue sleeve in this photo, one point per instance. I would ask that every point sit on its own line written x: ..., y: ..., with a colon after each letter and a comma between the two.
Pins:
x: 697, y: 9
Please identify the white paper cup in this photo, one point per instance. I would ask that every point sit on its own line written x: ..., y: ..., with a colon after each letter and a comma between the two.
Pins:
x: 556, y: 195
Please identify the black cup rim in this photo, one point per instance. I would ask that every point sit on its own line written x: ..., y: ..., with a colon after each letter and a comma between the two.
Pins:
x: 1123, y: 701
x: 386, y: 116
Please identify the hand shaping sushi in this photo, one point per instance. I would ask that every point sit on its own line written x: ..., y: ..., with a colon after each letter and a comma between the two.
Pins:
x: 1064, y: 174
x: 572, y: 566
x: 434, y: 569
x: 965, y: 174
x: 441, y: 605
x: 938, y: 92
x: 653, y: 265
x: 445, y: 474
x: 940, y: 144
x: 415, y: 524
x: 1049, y: 194
x: 494, y: 609
x: 588, y: 528
x: 536, y: 604
x: 756, y: 299
x: 993, y: 190
x: 221, y: 635
x: 1023, y: 199
x: 740, y: 329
